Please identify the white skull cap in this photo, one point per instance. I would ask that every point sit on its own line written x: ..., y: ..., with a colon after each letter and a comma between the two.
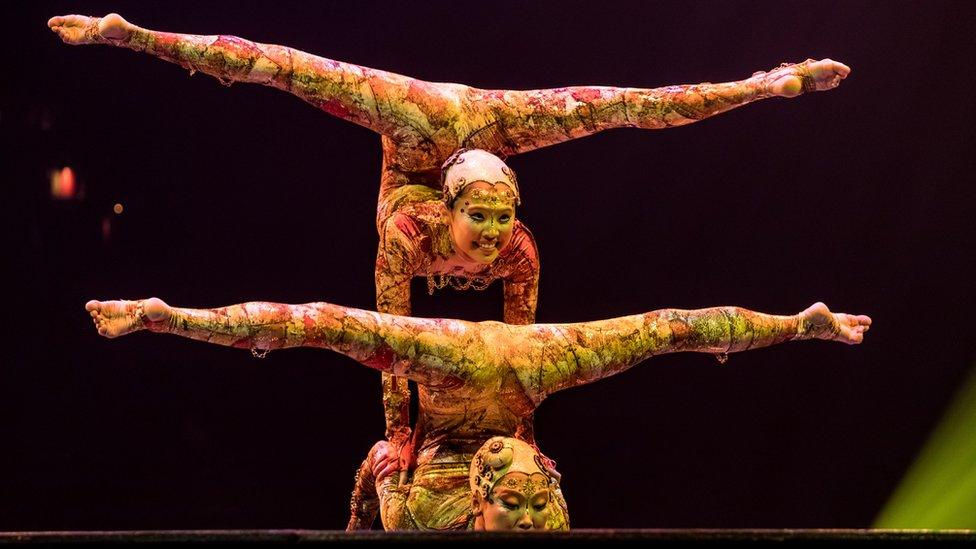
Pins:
x: 469, y: 165
x: 500, y: 456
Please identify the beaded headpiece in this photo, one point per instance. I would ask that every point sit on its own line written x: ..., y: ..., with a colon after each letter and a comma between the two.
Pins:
x: 502, y: 455
x: 466, y: 166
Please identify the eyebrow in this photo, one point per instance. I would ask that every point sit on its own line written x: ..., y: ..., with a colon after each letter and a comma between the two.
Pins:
x: 487, y: 207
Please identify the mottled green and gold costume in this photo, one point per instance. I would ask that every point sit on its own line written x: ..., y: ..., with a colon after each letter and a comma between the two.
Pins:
x: 473, y: 383
x: 480, y: 379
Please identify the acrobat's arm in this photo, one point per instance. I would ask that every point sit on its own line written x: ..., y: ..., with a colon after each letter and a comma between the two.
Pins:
x: 513, y: 122
x: 559, y: 356
x: 522, y: 285
x: 397, y: 258
x: 385, y: 102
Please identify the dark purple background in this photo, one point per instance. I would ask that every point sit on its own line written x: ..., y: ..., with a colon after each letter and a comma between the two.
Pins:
x: 860, y: 197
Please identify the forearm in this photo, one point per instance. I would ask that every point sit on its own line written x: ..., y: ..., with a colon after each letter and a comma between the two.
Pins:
x: 521, y: 298
x: 392, y: 291
x: 393, y: 297
x: 396, y: 408
x: 575, y: 354
x: 521, y: 283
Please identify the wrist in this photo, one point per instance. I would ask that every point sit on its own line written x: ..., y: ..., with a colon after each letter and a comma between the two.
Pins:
x: 399, y: 436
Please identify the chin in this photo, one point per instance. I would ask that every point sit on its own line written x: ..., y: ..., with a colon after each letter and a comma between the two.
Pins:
x: 478, y: 255
x: 489, y: 258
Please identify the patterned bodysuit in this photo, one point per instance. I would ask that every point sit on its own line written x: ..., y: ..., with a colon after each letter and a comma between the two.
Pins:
x: 421, y: 124
x: 479, y: 379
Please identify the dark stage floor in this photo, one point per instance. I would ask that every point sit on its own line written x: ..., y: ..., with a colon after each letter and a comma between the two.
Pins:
x: 831, y: 537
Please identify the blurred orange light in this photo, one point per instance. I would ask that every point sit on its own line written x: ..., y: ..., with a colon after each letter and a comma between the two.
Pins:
x: 117, y: 208
x: 63, y: 184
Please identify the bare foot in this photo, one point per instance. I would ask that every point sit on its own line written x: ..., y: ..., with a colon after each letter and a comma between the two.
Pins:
x: 118, y: 318
x: 79, y: 30
x: 790, y: 80
x: 817, y: 322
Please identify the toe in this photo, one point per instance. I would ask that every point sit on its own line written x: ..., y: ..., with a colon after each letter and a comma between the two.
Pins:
x: 114, y: 308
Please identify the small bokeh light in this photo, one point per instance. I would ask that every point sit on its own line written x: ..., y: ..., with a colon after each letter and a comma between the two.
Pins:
x: 117, y: 208
x: 64, y: 185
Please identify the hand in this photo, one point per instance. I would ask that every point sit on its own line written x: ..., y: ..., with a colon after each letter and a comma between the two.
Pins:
x: 790, y: 80
x: 817, y: 322
x: 385, y: 461
x: 118, y: 318
x: 78, y: 30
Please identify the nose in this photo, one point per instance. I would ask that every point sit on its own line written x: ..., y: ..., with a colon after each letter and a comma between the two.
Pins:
x: 525, y: 523
x: 491, y: 231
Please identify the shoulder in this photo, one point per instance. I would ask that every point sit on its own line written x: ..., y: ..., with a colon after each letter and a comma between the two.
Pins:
x: 404, y: 196
x: 520, y: 259
x: 523, y: 245
x: 403, y: 224
x: 420, y: 229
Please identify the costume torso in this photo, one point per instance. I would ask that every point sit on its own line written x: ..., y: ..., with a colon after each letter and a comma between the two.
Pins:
x: 457, y: 419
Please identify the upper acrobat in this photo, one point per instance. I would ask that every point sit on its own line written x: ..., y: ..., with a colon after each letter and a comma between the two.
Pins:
x: 423, y: 124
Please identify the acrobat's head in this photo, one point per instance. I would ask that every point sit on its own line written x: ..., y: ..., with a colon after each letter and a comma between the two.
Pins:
x: 481, y: 193
x: 511, y: 488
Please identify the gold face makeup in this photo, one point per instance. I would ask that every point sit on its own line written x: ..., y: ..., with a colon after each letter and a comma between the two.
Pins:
x: 519, y: 501
x: 482, y: 221
x: 511, y: 489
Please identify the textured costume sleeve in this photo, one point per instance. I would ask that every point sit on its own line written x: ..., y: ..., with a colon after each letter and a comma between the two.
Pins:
x: 513, y: 122
x: 385, y: 102
x: 522, y: 284
x: 397, y: 260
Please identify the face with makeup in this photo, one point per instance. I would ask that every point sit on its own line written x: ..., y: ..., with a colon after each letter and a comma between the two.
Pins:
x: 510, y: 488
x: 519, y: 501
x: 482, y: 220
